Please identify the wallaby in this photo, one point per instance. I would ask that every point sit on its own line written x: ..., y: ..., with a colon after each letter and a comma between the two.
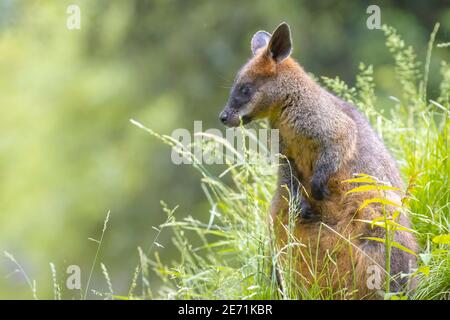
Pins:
x: 324, y: 141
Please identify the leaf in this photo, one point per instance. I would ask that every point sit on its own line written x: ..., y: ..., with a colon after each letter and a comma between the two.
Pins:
x: 399, y: 227
x: 123, y: 297
x: 425, y: 270
x: 396, y: 214
x: 359, y: 180
x: 442, y: 239
x: 377, y: 200
x: 395, y: 296
x: 379, y: 222
x: 393, y: 243
x: 370, y: 187
x: 403, y: 248
x: 374, y: 239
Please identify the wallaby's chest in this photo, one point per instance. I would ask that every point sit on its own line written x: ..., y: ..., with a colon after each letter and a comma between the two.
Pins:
x: 302, y: 153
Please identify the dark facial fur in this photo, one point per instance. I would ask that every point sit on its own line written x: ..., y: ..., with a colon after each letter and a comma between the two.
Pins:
x: 240, y: 105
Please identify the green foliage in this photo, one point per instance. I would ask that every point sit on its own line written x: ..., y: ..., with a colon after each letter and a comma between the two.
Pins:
x: 231, y: 258
x: 434, y: 274
x: 445, y: 84
x: 406, y: 64
x: 340, y: 88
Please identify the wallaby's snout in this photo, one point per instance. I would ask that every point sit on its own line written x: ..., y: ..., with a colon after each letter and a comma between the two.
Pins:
x: 240, y: 104
x: 233, y: 117
x: 229, y: 117
x: 223, y: 117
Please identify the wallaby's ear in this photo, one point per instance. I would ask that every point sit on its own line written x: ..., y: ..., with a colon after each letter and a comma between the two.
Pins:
x: 259, y: 40
x: 280, y: 44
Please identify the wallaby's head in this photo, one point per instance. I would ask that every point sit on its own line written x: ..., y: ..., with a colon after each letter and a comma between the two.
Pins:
x: 256, y: 88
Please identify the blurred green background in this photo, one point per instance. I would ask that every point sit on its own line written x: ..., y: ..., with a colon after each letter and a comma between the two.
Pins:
x: 68, y: 152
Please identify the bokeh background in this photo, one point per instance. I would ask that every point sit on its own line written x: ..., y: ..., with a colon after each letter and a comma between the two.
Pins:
x: 68, y: 152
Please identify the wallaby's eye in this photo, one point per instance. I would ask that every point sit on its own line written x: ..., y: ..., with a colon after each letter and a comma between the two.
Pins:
x: 241, y: 94
x: 244, y: 90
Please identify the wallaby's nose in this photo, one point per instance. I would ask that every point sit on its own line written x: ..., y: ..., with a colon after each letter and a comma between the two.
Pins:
x: 223, y: 116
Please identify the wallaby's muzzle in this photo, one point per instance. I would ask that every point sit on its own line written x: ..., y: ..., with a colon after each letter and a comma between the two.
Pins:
x: 223, y: 117
x: 230, y: 117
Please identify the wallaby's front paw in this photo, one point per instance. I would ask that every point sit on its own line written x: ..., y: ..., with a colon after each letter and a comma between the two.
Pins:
x: 306, y: 212
x: 319, y: 188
